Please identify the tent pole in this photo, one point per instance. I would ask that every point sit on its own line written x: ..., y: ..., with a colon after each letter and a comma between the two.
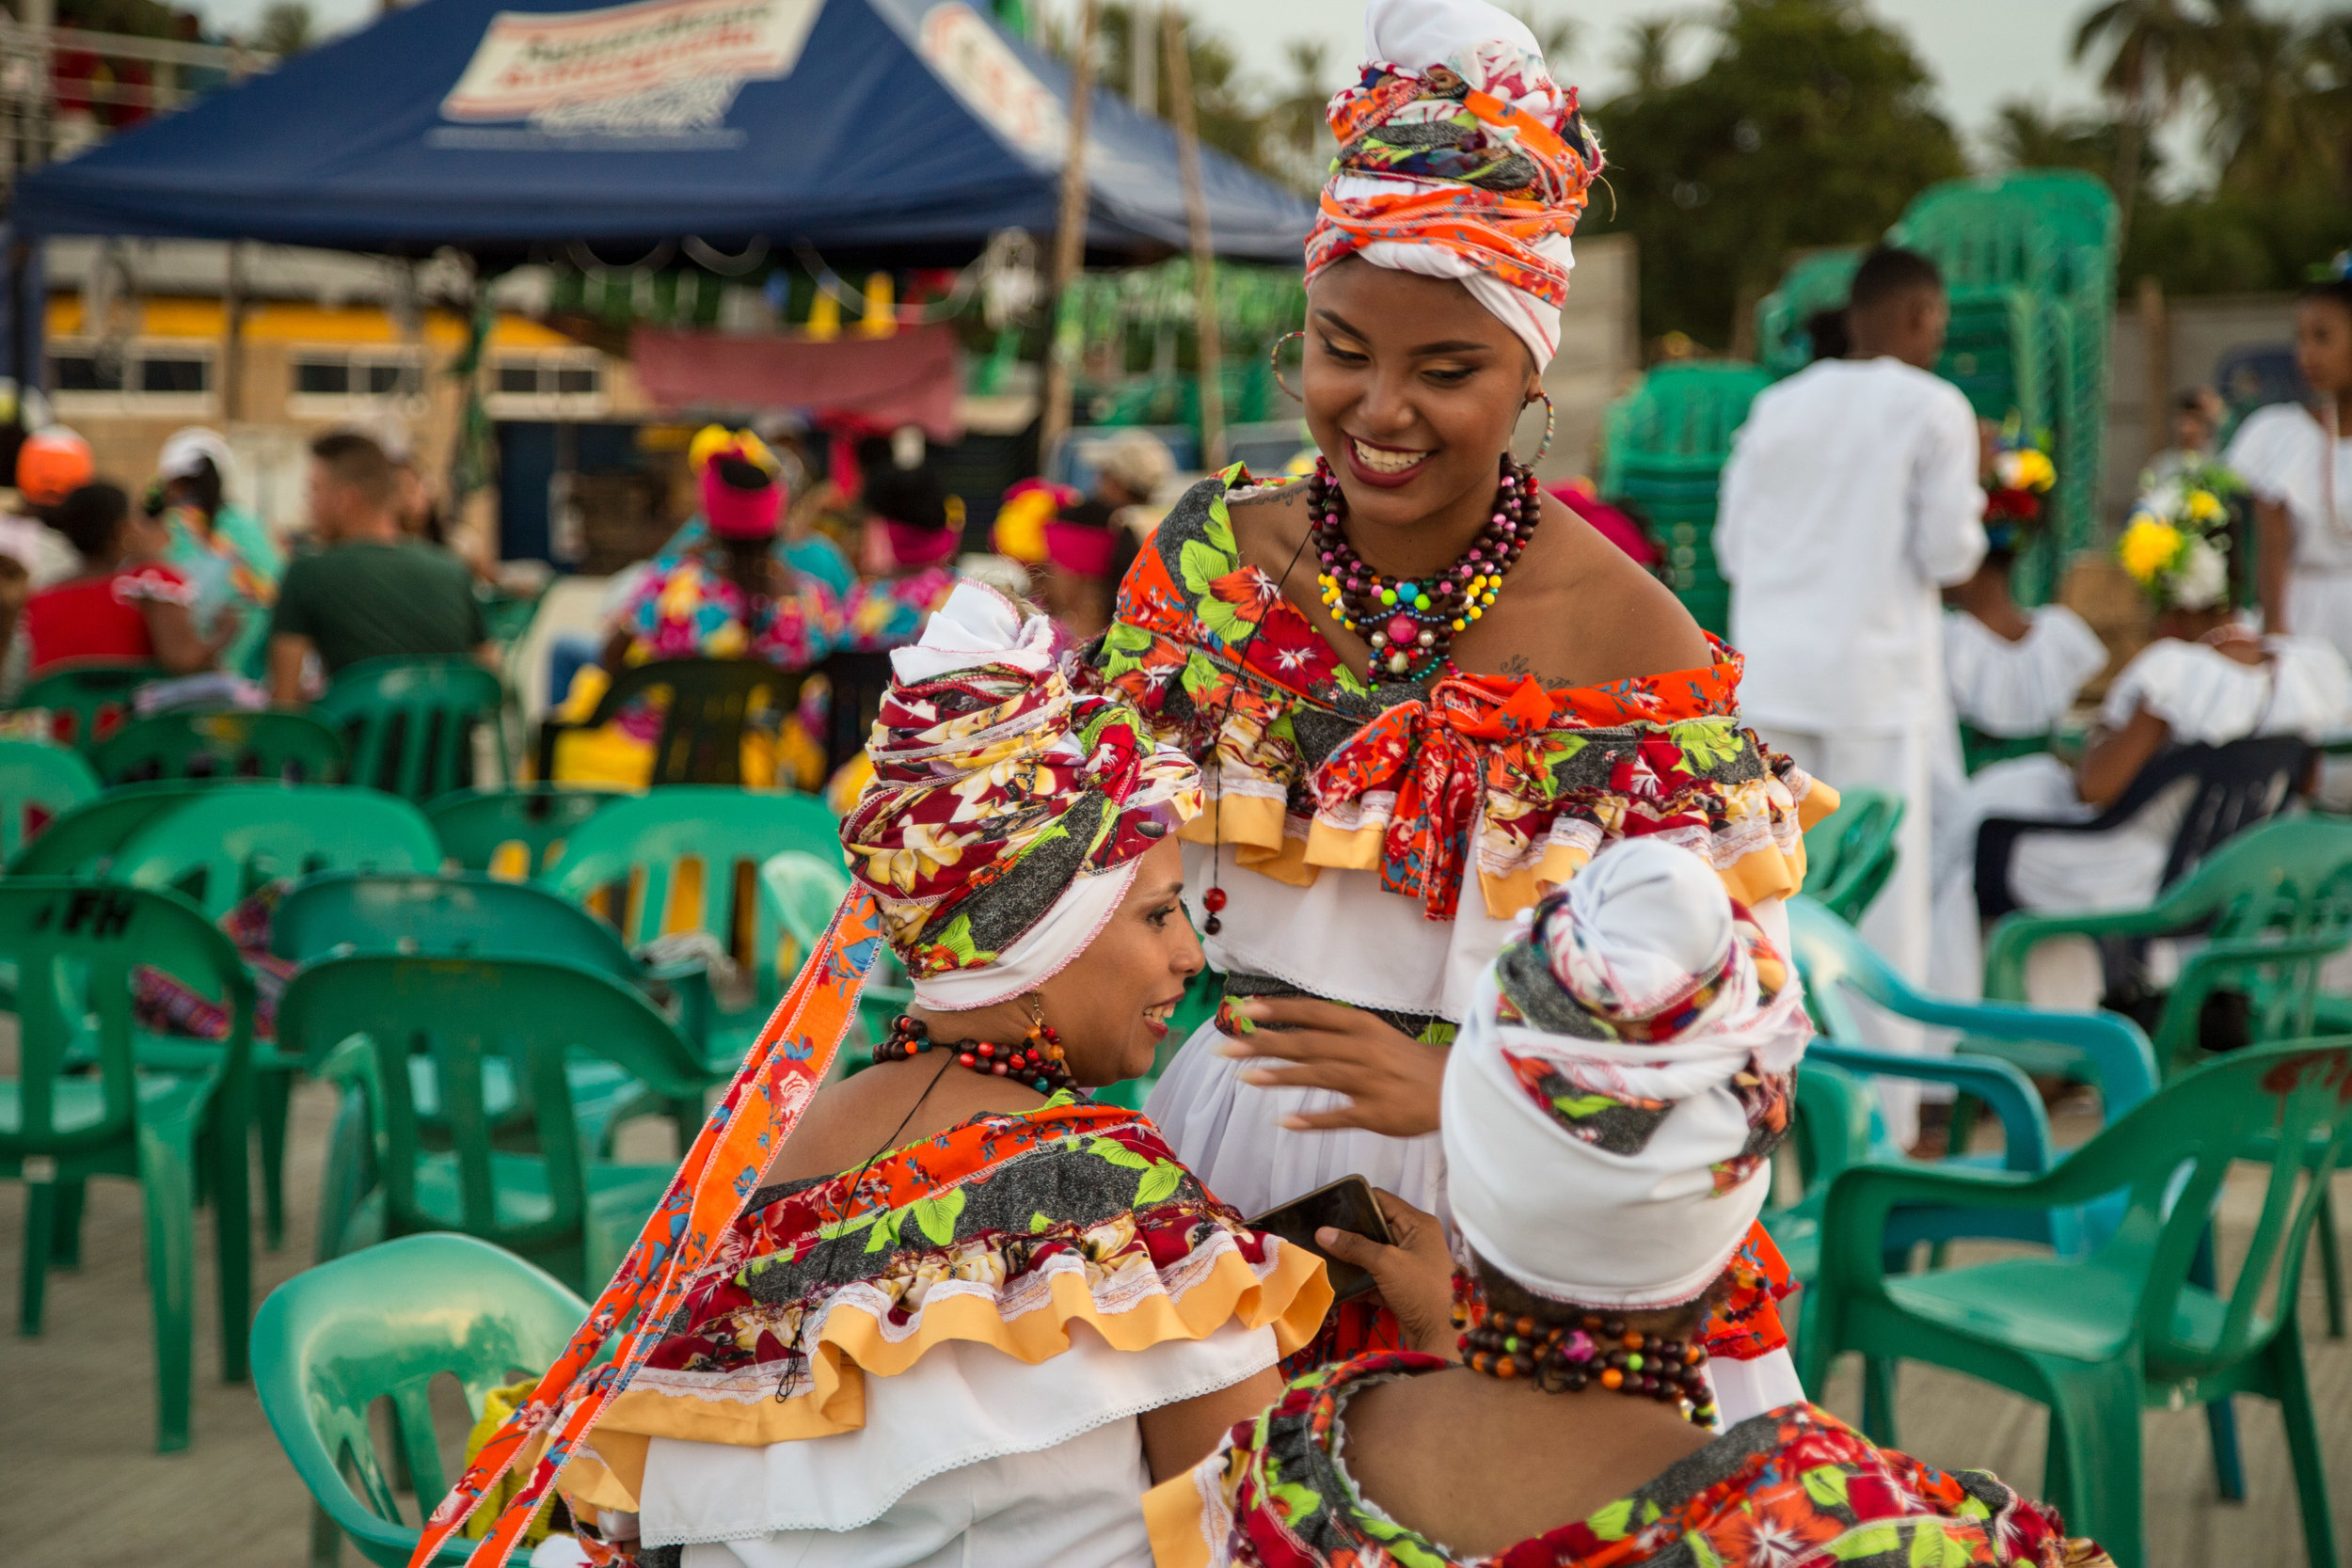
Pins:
x: 232, y: 337
x: 1209, y: 338
x: 1069, y: 239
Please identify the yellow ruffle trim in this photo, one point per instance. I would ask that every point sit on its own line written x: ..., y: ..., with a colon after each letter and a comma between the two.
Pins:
x: 1176, y: 1519
x: 1291, y: 1300
x: 1254, y: 827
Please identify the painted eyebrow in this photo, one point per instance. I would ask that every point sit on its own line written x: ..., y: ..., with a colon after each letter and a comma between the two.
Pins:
x: 1451, y: 345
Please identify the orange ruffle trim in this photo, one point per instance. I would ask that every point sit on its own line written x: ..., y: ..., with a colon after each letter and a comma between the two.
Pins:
x: 609, y: 1471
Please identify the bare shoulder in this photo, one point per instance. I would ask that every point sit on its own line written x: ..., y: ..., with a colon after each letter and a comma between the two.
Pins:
x: 1269, y: 525
x: 890, y: 1103
x: 1588, y: 614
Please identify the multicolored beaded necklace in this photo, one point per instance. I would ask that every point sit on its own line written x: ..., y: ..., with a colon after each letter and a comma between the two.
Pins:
x: 1411, y: 622
x: 1037, y: 1061
x: 1568, y: 1357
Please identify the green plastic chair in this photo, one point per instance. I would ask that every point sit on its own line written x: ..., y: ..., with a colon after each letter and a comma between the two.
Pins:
x: 382, y: 1324
x: 706, y: 704
x: 409, y: 723
x: 38, y: 783
x: 221, y: 846
x: 634, y: 853
x: 802, y: 891
x: 1819, y: 281
x: 1679, y: 421
x: 471, y: 1019
x: 84, y: 841
x: 1980, y: 750
x: 2267, y: 909
x: 517, y: 830
x: 1850, y: 853
x: 466, y: 916
x: 225, y: 844
x: 2098, y: 1338
x: 282, y: 747
x: 88, y: 700
x: 175, y: 1128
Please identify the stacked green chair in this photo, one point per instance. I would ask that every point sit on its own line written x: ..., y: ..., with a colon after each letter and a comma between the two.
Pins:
x: 634, y: 853
x: 38, y: 783
x: 88, y: 700
x: 517, y: 830
x: 383, y: 1324
x: 706, y: 704
x: 800, y: 891
x: 1850, y: 854
x: 2135, y: 1324
x: 472, y: 1020
x: 289, y: 748
x: 1820, y: 280
x: 1665, y: 444
x: 410, y: 725
x: 175, y: 1123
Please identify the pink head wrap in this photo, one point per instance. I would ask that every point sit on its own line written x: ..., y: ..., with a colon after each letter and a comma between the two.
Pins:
x: 1080, y: 547
x: 734, y: 508
x: 910, y: 545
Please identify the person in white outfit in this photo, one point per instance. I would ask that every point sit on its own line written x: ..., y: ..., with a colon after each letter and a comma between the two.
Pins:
x: 2206, y: 679
x: 2298, y: 463
x: 1852, y: 497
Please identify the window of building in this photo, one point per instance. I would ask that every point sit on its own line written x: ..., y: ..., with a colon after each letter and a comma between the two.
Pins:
x: 557, y: 384
x: 329, y: 381
x: 143, y: 376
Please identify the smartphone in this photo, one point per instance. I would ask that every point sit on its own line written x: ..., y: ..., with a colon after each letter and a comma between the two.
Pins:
x: 1346, y: 1204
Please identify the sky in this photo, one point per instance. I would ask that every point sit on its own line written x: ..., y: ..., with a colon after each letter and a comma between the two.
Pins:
x: 1982, y: 52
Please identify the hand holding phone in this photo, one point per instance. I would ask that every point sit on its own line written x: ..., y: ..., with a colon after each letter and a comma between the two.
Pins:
x: 1347, y: 1204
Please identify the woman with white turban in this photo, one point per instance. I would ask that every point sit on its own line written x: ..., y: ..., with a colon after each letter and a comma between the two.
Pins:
x: 1611, y: 1104
x: 1421, y: 690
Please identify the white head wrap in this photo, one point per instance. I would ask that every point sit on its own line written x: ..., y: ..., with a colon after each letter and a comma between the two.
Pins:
x: 1592, y: 1165
x: 184, y: 447
x: 979, y: 626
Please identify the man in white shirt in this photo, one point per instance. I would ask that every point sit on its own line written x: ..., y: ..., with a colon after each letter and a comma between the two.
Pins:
x: 1852, y: 497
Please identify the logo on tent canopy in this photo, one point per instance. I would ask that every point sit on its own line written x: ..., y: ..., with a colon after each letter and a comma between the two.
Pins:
x: 656, y: 73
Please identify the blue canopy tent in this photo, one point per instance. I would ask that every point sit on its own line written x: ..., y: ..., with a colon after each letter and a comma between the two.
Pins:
x: 916, y: 127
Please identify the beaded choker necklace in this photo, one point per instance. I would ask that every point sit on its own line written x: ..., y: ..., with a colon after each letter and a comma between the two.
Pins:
x: 1566, y: 1357
x: 1037, y: 1061
x: 1411, y: 622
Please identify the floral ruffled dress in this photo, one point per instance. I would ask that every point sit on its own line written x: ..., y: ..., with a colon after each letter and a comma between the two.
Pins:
x: 1793, y: 1486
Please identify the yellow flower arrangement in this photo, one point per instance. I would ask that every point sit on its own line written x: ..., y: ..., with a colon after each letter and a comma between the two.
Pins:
x: 2149, y: 549
x: 2205, y: 507
x: 2030, y: 468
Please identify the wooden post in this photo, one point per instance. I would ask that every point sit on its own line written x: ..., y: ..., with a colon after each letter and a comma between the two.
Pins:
x: 232, y: 337
x: 1203, y: 248
x: 1070, y: 243
x: 2156, y: 343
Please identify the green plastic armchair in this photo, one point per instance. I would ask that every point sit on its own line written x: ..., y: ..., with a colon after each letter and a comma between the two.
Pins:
x: 382, y: 1324
x: 473, y: 1020
x: 38, y: 783
x: 517, y: 831
x: 88, y: 700
x: 686, y: 856
x: 409, y: 723
x: 2097, y: 1338
x: 289, y: 748
x: 1850, y: 853
x: 705, y: 705
x: 84, y: 840
x: 176, y: 1127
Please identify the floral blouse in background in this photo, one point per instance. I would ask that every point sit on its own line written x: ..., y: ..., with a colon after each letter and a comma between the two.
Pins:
x: 890, y: 613
x: 688, y: 609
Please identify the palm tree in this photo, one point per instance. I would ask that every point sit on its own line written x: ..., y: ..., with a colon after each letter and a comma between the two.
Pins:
x: 1648, y: 54
x: 2271, y: 111
x: 2152, y: 48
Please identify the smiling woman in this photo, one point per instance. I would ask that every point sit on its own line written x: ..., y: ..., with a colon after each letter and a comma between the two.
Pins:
x: 967, y: 1311
x: 1421, y: 690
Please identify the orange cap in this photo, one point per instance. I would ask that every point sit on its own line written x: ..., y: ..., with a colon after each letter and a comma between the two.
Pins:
x: 51, y: 465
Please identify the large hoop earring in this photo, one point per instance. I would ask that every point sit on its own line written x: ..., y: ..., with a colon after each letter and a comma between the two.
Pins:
x: 1274, y: 363
x: 1551, y: 420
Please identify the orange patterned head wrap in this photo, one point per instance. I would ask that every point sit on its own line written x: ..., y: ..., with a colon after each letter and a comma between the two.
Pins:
x: 1459, y: 157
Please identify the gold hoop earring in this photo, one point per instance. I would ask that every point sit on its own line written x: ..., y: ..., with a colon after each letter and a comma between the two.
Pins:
x: 1550, y: 421
x: 1274, y: 363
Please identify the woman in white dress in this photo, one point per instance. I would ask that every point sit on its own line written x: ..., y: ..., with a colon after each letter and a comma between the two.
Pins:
x: 2205, y: 680
x: 2299, y: 461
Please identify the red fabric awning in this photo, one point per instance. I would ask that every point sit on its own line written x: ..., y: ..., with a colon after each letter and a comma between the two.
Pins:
x: 911, y: 377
